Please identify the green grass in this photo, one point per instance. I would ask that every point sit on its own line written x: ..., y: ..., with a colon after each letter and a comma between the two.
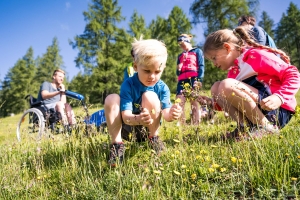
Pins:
x: 195, y: 165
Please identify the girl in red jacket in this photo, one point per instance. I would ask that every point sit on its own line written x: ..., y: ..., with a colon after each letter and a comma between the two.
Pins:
x: 260, y: 88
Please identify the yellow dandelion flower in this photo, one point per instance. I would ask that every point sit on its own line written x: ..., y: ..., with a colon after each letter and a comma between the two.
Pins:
x: 211, y: 170
x: 222, y: 169
x: 294, y: 179
x: 153, y: 111
x: 215, y: 166
x: 136, y: 105
x: 186, y: 85
x: 240, y: 160
x: 203, y: 152
x: 147, y: 169
x: 157, y: 172
x: 173, y: 156
x: 193, y: 176
x: 183, y: 166
x: 177, y: 141
x: 176, y: 172
x: 177, y: 152
x: 178, y: 100
x: 207, y: 158
x: 38, y: 178
x: 298, y: 157
x: 233, y: 159
x: 198, y: 157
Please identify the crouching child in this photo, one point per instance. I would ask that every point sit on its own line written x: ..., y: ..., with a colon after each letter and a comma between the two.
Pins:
x: 143, y: 100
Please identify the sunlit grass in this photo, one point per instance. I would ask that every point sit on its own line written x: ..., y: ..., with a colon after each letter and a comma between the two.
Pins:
x: 195, y: 165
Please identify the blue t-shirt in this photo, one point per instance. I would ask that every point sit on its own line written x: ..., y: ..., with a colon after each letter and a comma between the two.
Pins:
x: 132, y: 90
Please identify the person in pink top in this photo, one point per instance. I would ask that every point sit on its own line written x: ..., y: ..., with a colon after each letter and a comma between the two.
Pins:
x: 260, y: 89
x: 190, y: 68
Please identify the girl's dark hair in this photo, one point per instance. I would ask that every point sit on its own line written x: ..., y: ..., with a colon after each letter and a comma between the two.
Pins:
x: 247, y: 18
x: 240, y: 37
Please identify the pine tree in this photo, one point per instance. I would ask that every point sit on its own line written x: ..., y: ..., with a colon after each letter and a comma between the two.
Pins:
x: 138, y: 26
x: 287, y: 34
x: 99, y: 52
x: 49, y: 62
x: 176, y: 24
x: 219, y: 14
x: 17, y: 84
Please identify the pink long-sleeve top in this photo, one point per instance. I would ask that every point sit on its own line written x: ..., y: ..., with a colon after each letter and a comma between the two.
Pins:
x: 280, y: 78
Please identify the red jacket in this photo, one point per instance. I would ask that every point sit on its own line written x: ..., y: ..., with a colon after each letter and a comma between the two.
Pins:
x: 280, y: 78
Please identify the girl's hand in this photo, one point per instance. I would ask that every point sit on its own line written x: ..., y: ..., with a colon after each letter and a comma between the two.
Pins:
x: 271, y: 102
x: 175, y: 111
x: 146, y: 117
x: 204, y: 100
x: 197, y: 84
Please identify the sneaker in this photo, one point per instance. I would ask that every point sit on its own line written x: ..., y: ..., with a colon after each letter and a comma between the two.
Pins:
x: 156, y: 144
x: 116, y: 154
x: 237, y: 134
x: 257, y: 132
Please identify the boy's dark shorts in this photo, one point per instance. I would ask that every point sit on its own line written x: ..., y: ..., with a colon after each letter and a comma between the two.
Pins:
x: 137, y: 133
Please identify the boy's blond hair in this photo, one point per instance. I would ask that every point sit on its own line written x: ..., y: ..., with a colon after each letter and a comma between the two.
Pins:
x: 148, y: 51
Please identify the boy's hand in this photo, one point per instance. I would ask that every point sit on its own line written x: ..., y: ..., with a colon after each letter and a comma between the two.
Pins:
x: 175, y: 112
x: 146, y: 117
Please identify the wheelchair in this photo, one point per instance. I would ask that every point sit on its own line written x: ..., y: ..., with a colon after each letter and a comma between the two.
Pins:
x: 37, y: 121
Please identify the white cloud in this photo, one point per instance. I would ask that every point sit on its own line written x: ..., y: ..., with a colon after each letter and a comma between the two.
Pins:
x: 68, y: 5
x: 64, y: 27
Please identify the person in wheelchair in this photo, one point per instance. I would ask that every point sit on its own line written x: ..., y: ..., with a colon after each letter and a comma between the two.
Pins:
x: 53, y: 96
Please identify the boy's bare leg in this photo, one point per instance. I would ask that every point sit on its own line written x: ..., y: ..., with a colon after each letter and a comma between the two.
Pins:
x: 113, y: 117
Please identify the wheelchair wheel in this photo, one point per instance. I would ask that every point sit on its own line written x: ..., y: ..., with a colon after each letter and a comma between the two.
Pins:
x: 31, y: 125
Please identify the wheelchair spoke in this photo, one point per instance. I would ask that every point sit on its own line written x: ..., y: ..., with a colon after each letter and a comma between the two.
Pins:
x: 31, y: 125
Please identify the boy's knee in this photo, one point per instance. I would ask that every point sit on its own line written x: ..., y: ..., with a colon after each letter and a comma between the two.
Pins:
x: 149, y: 95
x: 112, y: 99
x: 112, y: 103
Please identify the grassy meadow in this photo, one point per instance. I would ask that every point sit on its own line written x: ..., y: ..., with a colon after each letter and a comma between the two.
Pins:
x: 196, y: 164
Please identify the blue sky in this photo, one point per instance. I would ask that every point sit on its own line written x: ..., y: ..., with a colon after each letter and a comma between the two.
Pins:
x: 34, y: 23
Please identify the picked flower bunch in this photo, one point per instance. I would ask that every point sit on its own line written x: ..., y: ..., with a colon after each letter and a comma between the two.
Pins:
x: 194, y: 93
